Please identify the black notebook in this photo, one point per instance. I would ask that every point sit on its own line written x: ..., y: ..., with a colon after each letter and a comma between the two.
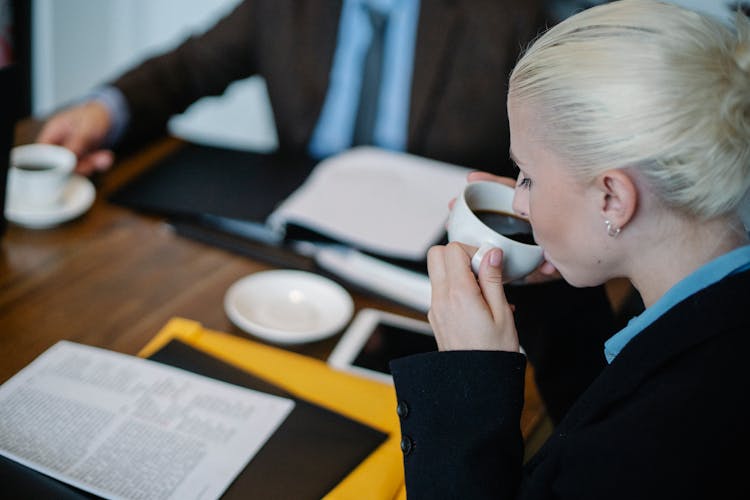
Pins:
x: 229, y: 183
x: 228, y: 190
x: 387, y: 204
x: 312, y: 451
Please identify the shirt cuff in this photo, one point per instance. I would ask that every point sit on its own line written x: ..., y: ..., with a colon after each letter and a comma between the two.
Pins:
x: 117, y: 107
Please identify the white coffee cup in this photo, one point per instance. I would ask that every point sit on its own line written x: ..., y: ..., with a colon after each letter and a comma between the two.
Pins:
x: 493, y: 200
x: 38, y: 175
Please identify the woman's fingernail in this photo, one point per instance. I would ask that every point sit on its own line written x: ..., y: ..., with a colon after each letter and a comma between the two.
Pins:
x: 102, y: 161
x: 496, y: 258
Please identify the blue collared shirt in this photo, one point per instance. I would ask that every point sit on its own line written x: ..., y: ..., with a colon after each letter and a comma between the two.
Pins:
x: 335, y: 127
x: 730, y: 263
x: 119, y: 113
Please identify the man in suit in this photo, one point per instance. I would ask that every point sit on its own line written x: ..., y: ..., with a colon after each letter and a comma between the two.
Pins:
x: 460, y: 57
x: 442, y: 95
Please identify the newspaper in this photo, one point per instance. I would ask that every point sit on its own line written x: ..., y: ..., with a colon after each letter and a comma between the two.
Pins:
x: 124, y: 427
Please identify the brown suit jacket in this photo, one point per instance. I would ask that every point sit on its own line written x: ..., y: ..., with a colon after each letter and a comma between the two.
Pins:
x: 465, y: 50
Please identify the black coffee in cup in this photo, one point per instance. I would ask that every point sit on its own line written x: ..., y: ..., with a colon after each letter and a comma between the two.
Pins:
x: 509, y: 225
x: 34, y: 167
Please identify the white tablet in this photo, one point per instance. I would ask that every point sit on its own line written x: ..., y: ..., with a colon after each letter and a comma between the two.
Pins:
x: 376, y: 337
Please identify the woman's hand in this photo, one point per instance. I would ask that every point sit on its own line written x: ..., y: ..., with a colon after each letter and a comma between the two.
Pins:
x: 466, y: 313
x: 82, y: 129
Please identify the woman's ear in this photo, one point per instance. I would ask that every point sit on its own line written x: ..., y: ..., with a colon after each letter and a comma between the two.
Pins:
x: 619, y: 196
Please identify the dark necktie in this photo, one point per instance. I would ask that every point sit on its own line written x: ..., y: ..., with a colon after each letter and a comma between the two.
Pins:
x: 372, y: 67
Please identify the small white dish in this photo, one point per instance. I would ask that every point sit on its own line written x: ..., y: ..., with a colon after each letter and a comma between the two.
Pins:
x: 288, y: 307
x: 78, y: 197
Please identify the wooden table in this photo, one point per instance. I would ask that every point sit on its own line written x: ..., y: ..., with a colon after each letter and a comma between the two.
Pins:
x: 114, y: 277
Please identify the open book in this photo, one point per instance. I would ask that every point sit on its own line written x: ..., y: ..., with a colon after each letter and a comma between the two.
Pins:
x: 388, y: 204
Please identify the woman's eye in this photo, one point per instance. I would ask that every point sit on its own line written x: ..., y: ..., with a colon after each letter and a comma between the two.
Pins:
x: 525, y: 183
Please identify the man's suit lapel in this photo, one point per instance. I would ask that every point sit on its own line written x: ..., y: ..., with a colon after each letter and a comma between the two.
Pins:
x: 439, y: 24
x: 317, y: 26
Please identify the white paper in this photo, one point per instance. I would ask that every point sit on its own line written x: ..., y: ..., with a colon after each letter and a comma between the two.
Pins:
x: 124, y: 427
x: 241, y: 118
x: 390, y: 204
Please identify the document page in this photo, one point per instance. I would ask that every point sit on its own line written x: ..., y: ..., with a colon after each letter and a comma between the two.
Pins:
x: 386, y: 203
x: 120, y: 426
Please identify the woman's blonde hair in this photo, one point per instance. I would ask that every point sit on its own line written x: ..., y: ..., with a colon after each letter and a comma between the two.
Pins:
x: 652, y: 86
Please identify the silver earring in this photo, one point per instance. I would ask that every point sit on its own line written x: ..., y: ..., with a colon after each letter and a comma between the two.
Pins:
x: 612, y: 231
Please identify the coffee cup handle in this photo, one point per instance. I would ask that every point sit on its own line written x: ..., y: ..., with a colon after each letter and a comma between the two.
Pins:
x: 476, y: 260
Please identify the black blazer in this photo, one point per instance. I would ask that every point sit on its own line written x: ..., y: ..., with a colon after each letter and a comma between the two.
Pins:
x: 669, y: 418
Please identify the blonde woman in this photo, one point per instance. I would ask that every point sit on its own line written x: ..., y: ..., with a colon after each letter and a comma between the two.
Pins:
x: 630, y: 125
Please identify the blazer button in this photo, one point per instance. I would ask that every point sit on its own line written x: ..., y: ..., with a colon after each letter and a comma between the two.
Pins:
x: 406, y: 445
x: 402, y: 410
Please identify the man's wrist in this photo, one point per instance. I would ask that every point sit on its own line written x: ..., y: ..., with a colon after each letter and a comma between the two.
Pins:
x: 117, y: 108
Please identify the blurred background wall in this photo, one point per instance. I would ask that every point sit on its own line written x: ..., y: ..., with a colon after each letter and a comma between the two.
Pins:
x: 79, y: 44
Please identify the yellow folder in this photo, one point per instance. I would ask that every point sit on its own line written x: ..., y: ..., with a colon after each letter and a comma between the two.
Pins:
x: 380, y: 476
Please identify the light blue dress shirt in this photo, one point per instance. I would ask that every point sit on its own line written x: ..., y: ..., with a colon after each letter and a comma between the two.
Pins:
x: 335, y: 127
x: 119, y: 113
x: 733, y: 262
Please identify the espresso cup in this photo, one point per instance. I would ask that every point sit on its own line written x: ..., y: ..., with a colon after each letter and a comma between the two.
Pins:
x: 482, y: 216
x: 39, y: 173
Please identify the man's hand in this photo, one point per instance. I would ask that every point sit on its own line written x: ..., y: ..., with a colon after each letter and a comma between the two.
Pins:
x: 82, y: 129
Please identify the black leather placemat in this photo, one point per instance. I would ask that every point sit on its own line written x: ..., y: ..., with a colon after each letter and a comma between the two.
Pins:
x: 199, y: 179
x: 310, y: 453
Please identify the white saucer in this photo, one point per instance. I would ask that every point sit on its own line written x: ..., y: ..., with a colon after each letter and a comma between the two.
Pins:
x: 78, y: 197
x: 288, y: 307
